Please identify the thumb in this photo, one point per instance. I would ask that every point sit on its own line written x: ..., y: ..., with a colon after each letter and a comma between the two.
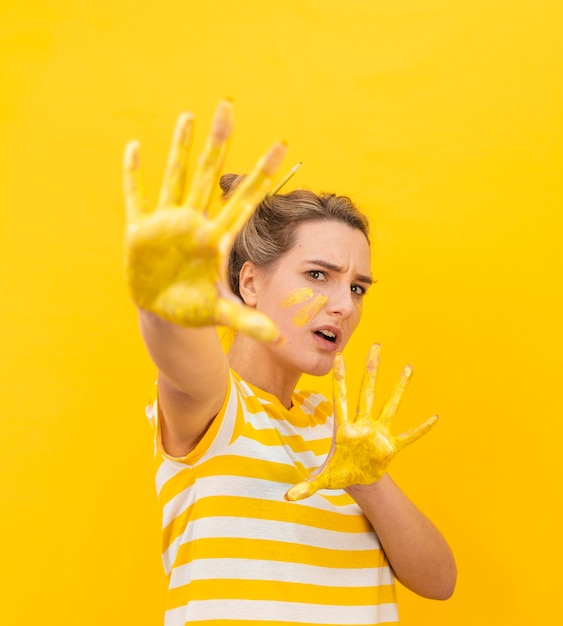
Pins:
x: 246, y: 320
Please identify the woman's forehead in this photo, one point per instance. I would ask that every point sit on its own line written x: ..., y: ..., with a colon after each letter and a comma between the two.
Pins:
x: 331, y: 240
x: 316, y: 234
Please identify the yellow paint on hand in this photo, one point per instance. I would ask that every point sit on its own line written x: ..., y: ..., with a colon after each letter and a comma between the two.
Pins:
x: 363, y: 447
x: 175, y: 254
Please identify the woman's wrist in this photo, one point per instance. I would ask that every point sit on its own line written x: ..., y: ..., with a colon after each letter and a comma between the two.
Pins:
x: 369, y: 490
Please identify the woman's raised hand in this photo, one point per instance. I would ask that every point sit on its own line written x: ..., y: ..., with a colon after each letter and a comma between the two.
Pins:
x: 175, y: 254
x: 363, y: 448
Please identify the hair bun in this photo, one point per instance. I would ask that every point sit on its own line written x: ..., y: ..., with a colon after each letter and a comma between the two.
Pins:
x: 229, y: 182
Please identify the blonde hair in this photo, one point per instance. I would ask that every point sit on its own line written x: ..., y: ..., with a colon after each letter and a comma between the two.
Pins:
x: 270, y: 231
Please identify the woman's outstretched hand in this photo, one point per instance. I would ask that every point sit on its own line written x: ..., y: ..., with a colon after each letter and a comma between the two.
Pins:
x: 362, y: 448
x: 175, y: 254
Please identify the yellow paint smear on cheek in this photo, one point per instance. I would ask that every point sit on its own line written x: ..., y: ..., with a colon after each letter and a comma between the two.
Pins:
x: 309, y: 311
x: 298, y: 296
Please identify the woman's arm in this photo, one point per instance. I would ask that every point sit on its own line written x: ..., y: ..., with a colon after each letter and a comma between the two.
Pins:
x: 192, y: 378
x: 175, y: 259
x: 363, y: 448
x: 417, y: 552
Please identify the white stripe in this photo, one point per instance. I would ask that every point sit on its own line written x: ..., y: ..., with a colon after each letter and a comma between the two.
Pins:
x: 243, y: 487
x: 169, y: 555
x: 246, y: 392
x: 283, y: 454
x: 151, y: 413
x: 271, y: 530
x: 226, y: 428
x: 178, y: 504
x: 264, y: 611
x: 279, y: 571
x: 310, y: 432
x: 167, y: 470
x: 311, y: 400
x: 175, y: 617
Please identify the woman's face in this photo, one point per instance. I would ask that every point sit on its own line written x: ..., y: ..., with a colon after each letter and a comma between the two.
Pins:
x: 314, y: 293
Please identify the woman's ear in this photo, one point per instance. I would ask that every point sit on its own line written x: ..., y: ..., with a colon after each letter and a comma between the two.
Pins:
x: 248, y: 278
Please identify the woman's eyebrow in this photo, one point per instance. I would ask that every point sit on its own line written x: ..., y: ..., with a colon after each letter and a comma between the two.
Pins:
x: 337, y: 268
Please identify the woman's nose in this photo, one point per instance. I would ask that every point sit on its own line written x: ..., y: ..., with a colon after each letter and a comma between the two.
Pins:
x: 341, y: 303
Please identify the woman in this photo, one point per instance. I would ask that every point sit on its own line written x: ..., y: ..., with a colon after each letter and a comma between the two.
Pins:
x: 233, y: 435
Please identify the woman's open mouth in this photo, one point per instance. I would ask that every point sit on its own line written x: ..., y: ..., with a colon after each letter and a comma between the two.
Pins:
x: 329, y: 335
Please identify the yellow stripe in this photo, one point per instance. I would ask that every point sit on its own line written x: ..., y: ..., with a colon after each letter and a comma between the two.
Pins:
x: 264, y: 549
x: 176, y: 528
x: 280, y: 511
x: 297, y: 416
x: 251, y: 468
x: 175, y: 484
x: 276, y: 591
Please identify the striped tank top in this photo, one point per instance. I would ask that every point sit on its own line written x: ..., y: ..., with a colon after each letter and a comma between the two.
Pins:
x: 236, y: 552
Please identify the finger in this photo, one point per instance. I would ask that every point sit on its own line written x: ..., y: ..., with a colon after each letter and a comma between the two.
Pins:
x: 302, y: 490
x: 339, y: 394
x: 402, y: 441
x: 247, y: 195
x: 367, y: 389
x: 246, y: 320
x: 211, y: 159
x: 132, y: 183
x: 392, y: 405
x: 172, y: 190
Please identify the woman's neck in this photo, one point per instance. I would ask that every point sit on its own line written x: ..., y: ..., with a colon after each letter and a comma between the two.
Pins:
x: 258, y: 364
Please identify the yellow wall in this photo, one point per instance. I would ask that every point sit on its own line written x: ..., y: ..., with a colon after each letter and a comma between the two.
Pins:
x: 443, y: 119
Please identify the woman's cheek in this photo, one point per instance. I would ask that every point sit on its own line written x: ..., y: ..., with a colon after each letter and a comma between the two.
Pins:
x: 306, y: 304
x: 309, y: 310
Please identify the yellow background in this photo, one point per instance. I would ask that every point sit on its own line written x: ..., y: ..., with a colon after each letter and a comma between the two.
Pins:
x: 442, y: 119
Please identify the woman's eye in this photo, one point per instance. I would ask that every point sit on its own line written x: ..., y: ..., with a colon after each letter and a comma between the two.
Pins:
x: 317, y: 274
x: 359, y: 290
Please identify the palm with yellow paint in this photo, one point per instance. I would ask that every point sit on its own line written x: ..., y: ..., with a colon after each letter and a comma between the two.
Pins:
x: 364, y: 447
x: 175, y: 254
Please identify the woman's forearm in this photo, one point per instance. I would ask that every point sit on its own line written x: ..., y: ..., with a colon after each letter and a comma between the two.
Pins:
x: 416, y: 550
x: 188, y: 357
x: 192, y: 381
